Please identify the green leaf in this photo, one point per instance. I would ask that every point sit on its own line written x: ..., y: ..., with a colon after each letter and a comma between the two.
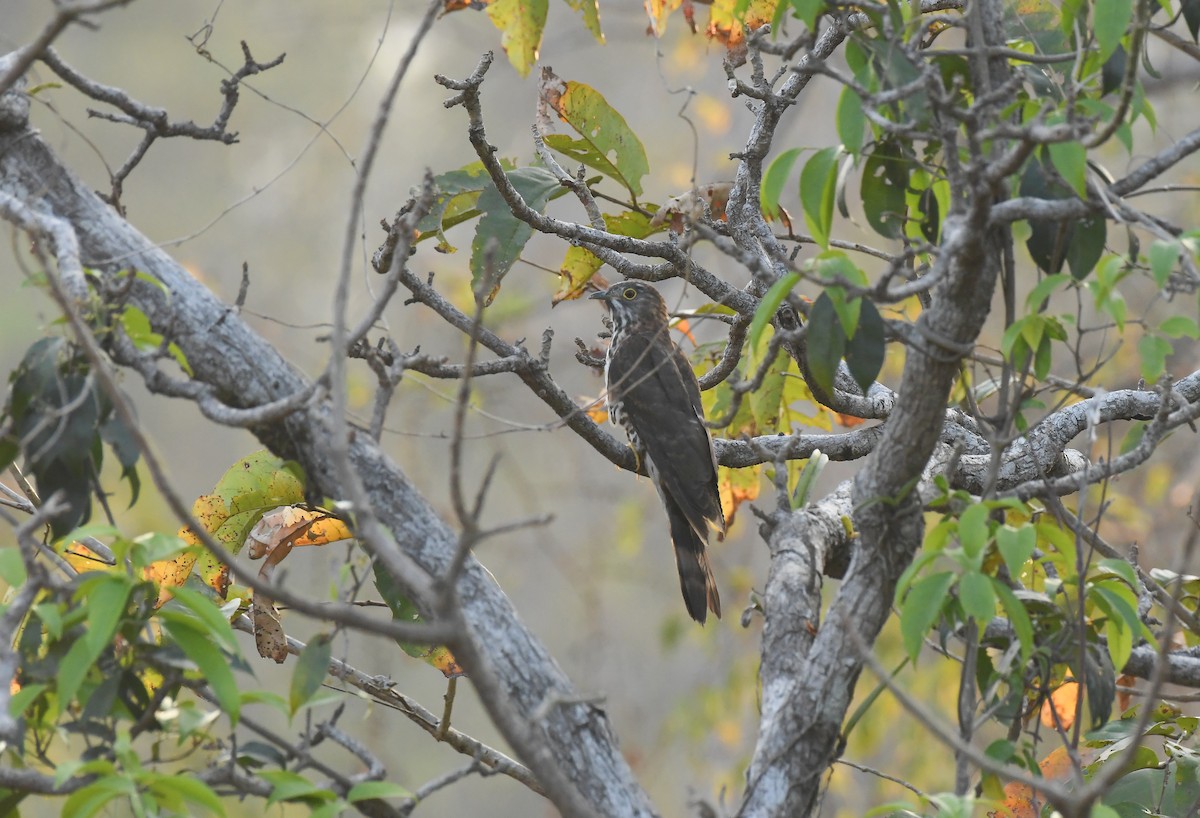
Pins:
x: 590, y: 9
x: 818, y: 181
x: 884, y: 188
x: 500, y: 236
x: 1016, y: 546
x: 1042, y: 358
x: 1110, y: 21
x: 774, y: 179
x: 24, y: 697
x: 847, y: 309
x: 1063, y: 543
x: 1048, y: 240
x: 851, y: 122
x: 806, y: 11
x: 1113, y: 72
x: 334, y: 808
x: 1018, y: 617
x: 1043, y: 290
x: 376, y: 789
x: 769, y: 305
x: 1180, y: 326
x: 606, y: 142
x: 1037, y: 22
x: 976, y: 596
x: 9, y: 449
x: 193, y: 640
x: 1153, y: 352
x: 1191, y: 16
x: 1085, y: 240
x: 521, y: 23
x: 457, y: 194
x: 1117, y: 632
x: 921, y: 608
x: 837, y: 268
x: 311, y: 669
x: 105, y: 598
x: 1070, y: 160
x: 252, y: 486
x: 155, y: 546
x: 289, y: 786
x: 1122, y: 569
x: 973, y: 529
x: 87, y: 801
x: 1163, y: 257
x: 928, y: 206
x: 403, y: 610
x: 824, y: 342
x: 865, y: 352
x: 808, y: 476
x: 209, y: 614
x: 191, y: 790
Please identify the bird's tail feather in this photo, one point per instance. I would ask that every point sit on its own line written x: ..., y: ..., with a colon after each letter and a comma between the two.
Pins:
x: 695, y: 574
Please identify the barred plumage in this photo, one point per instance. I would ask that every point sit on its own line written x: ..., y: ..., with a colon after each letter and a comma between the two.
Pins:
x: 654, y: 396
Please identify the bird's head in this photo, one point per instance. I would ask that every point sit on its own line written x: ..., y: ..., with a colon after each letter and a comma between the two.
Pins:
x: 634, y: 304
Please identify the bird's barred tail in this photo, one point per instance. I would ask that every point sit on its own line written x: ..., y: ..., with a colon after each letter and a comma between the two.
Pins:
x: 695, y: 574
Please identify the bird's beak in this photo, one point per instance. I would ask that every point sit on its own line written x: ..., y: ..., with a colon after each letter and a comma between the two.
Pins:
x: 600, y: 296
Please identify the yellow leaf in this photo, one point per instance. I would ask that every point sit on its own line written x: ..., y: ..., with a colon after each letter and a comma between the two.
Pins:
x: 521, y: 23
x: 83, y: 559
x: 736, y: 486
x: 658, y: 11
x: 442, y: 659
x: 729, y: 28
x: 170, y: 573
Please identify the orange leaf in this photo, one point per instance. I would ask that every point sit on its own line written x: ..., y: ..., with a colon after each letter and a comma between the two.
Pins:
x: 1056, y: 766
x: 848, y: 421
x: 1125, y: 696
x: 596, y: 408
x: 1064, y: 702
x: 686, y: 329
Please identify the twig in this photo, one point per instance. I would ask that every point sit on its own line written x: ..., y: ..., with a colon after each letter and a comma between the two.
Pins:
x: 444, y: 727
x: 385, y: 692
x: 68, y: 12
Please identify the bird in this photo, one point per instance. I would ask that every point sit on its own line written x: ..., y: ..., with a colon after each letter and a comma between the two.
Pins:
x: 653, y: 395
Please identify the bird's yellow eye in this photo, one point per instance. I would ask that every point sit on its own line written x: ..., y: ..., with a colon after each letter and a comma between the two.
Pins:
x: 629, y: 293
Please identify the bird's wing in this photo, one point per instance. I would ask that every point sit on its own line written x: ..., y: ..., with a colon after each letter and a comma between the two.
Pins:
x: 660, y: 398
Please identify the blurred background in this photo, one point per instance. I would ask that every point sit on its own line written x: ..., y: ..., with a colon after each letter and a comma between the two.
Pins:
x: 598, y: 583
